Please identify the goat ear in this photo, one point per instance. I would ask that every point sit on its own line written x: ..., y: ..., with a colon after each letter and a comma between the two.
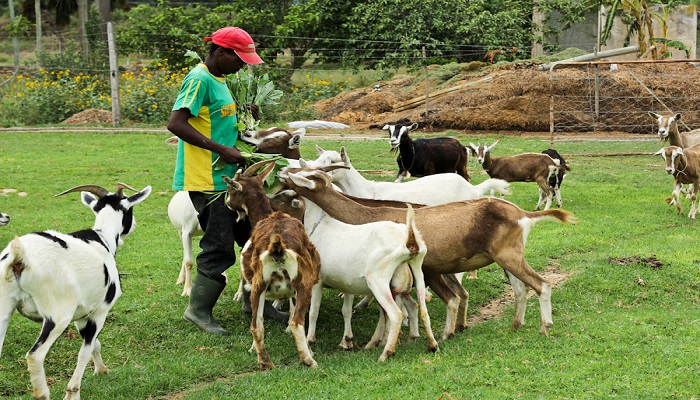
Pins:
x: 266, y: 172
x: 87, y: 198
x: 294, y: 142
x: 677, y: 117
x: 138, y: 196
x: 412, y: 126
x: 661, y: 151
x: 386, y: 127
x: 344, y: 156
x: 319, y: 149
x: 172, y: 141
x: 301, y: 132
x: 654, y: 115
x: 492, y: 146
x: 302, y: 181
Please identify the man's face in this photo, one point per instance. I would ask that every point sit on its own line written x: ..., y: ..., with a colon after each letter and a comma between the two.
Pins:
x: 229, y: 62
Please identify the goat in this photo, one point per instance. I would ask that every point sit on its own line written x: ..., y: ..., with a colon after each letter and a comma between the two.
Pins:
x: 183, y: 216
x: 4, y: 219
x: 556, y: 180
x: 684, y: 165
x: 381, y: 258
x: 429, y: 190
x: 668, y: 130
x: 57, y: 278
x: 278, y: 261
x: 276, y: 141
x: 457, y: 241
x: 527, y: 167
x: 290, y: 202
x: 423, y: 157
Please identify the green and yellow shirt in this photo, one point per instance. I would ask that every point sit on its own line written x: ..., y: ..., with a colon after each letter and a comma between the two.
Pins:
x: 214, y: 116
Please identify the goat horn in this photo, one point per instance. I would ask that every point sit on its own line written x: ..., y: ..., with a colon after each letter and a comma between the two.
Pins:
x: 121, y: 187
x: 255, y: 167
x: 98, y: 191
x: 333, y: 167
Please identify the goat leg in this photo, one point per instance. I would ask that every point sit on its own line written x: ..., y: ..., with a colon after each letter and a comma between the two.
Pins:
x: 257, y: 328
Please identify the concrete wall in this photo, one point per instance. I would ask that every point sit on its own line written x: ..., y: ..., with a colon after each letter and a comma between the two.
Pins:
x: 682, y: 26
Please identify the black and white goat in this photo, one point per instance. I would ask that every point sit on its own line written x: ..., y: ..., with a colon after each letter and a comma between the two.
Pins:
x: 4, y: 219
x: 555, y: 181
x: 422, y: 157
x: 56, y: 278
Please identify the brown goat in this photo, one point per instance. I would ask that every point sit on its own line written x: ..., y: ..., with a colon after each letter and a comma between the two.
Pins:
x: 684, y: 165
x: 527, y: 167
x: 279, y: 261
x: 668, y: 130
x: 461, y: 236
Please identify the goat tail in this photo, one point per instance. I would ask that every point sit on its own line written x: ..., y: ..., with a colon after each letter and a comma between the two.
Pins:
x: 414, y: 241
x: 276, y: 247
x: 554, y: 214
x: 12, y: 260
x: 494, y: 184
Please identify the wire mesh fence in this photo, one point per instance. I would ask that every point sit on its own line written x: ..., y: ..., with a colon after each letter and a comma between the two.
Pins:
x: 618, y: 96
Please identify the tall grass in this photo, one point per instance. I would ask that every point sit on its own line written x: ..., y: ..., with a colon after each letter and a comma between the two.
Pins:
x: 612, y: 336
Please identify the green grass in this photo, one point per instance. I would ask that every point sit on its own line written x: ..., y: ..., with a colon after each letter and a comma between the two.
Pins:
x: 611, y: 338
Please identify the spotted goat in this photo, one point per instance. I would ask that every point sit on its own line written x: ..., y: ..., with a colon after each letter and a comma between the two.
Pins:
x: 56, y: 278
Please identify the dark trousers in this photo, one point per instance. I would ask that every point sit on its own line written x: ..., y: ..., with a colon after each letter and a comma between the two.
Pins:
x: 221, y: 231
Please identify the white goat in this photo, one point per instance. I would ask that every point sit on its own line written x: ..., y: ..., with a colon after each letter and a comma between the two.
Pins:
x: 183, y: 216
x: 56, y: 278
x: 430, y: 190
x: 377, y: 258
x: 527, y: 167
x: 4, y: 219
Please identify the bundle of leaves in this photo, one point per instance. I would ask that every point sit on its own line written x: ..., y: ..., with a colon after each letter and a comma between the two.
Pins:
x: 246, y: 89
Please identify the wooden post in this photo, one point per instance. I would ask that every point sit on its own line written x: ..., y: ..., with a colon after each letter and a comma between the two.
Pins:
x: 427, y: 86
x: 113, y: 75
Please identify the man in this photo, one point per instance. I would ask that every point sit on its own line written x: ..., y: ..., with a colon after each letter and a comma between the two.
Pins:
x: 204, y: 118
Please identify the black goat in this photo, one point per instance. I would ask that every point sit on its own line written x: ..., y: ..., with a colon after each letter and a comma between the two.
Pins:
x: 556, y: 180
x: 422, y: 157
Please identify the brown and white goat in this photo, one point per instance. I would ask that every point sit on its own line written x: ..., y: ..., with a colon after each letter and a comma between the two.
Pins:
x: 276, y: 141
x: 668, y: 130
x: 684, y: 165
x: 457, y: 241
x: 279, y: 261
x: 422, y: 157
x: 527, y: 167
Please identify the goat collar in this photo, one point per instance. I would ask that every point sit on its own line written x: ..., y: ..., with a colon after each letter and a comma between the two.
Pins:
x: 313, y: 228
x: 413, y: 159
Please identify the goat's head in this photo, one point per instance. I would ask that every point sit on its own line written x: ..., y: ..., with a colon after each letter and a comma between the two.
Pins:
x: 398, y: 132
x: 667, y: 123
x: 4, y: 219
x: 288, y: 201
x: 244, y: 182
x: 111, y: 206
x: 673, y: 156
x: 480, y: 151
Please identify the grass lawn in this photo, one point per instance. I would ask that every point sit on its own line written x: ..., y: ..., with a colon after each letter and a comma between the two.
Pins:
x: 621, y: 330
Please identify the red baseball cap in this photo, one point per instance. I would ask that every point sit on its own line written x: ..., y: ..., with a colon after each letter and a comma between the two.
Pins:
x: 237, y: 40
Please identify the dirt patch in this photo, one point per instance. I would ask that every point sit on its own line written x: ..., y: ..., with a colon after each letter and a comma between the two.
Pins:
x: 90, y: 116
x: 495, y: 308
x: 651, y: 261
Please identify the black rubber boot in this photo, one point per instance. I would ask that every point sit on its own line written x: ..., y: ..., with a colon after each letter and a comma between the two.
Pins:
x: 269, y: 312
x: 205, y: 293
